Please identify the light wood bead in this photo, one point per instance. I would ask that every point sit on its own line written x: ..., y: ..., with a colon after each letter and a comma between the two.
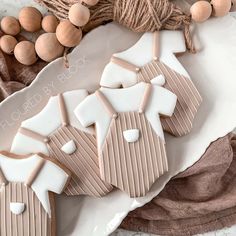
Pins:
x: 50, y: 23
x: 79, y: 14
x: 8, y: 44
x: 220, y: 7
x: 48, y: 47
x: 201, y: 11
x: 30, y: 19
x: 233, y: 5
x: 91, y: 2
x: 67, y: 34
x: 10, y: 25
x: 25, y: 53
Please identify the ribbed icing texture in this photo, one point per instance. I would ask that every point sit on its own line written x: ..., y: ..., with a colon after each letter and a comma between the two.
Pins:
x: 81, y: 160
x: 132, y: 166
x: 83, y: 163
x: 188, y: 101
x: 34, y: 221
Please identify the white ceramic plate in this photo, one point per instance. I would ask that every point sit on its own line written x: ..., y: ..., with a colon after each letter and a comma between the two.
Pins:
x: 88, y: 216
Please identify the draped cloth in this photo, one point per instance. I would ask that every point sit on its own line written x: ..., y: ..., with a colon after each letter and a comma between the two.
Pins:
x: 15, y: 76
x: 198, y: 200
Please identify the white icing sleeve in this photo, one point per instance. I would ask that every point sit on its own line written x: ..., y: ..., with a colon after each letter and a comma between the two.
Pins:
x: 23, y: 145
x: 86, y: 111
x: 51, y: 178
x: 91, y: 111
x: 168, y: 106
x: 114, y: 76
x: 163, y: 101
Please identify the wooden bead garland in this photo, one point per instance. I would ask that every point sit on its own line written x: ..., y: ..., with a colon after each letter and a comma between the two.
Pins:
x: 233, y: 7
x: 79, y: 14
x: 10, y: 25
x: 221, y: 7
x: 25, y: 53
x: 67, y: 34
x: 8, y: 44
x: 50, y: 23
x: 30, y: 19
x: 49, y: 45
x: 48, y: 48
x: 202, y: 10
x: 91, y: 2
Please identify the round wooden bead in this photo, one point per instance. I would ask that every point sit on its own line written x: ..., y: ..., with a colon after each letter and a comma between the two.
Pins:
x: 220, y: 7
x: 79, y: 14
x: 67, y: 34
x: 25, y: 53
x: 201, y: 11
x: 91, y: 2
x: 10, y: 25
x: 233, y: 6
x: 50, y: 23
x: 48, y: 47
x: 8, y: 44
x: 30, y: 19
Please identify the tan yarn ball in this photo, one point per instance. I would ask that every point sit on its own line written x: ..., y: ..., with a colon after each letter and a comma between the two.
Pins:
x: 221, y: 7
x: 201, y: 11
x: 50, y: 23
x: 10, y: 25
x: 67, y: 34
x: 30, y: 19
x: 91, y: 2
x: 79, y: 14
x: 48, y: 47
x: 25, y: 53
x: 8, y: 44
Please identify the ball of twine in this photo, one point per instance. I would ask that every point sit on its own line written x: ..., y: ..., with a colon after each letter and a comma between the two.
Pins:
x: 137, y: 15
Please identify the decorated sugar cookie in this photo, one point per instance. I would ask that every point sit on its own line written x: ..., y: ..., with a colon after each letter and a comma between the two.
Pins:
x: 55, y: 131
x: 130, y: 138
x: 28, y: 184
x: 151, y: 56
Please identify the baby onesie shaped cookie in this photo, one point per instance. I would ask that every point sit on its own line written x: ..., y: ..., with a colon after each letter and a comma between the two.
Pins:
x: 28, y: 184
x: 151, y: 56
x: 56, y: 132
x: 130, y: 138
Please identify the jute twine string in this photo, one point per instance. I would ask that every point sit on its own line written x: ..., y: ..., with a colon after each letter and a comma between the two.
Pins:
x: 137, y: 15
